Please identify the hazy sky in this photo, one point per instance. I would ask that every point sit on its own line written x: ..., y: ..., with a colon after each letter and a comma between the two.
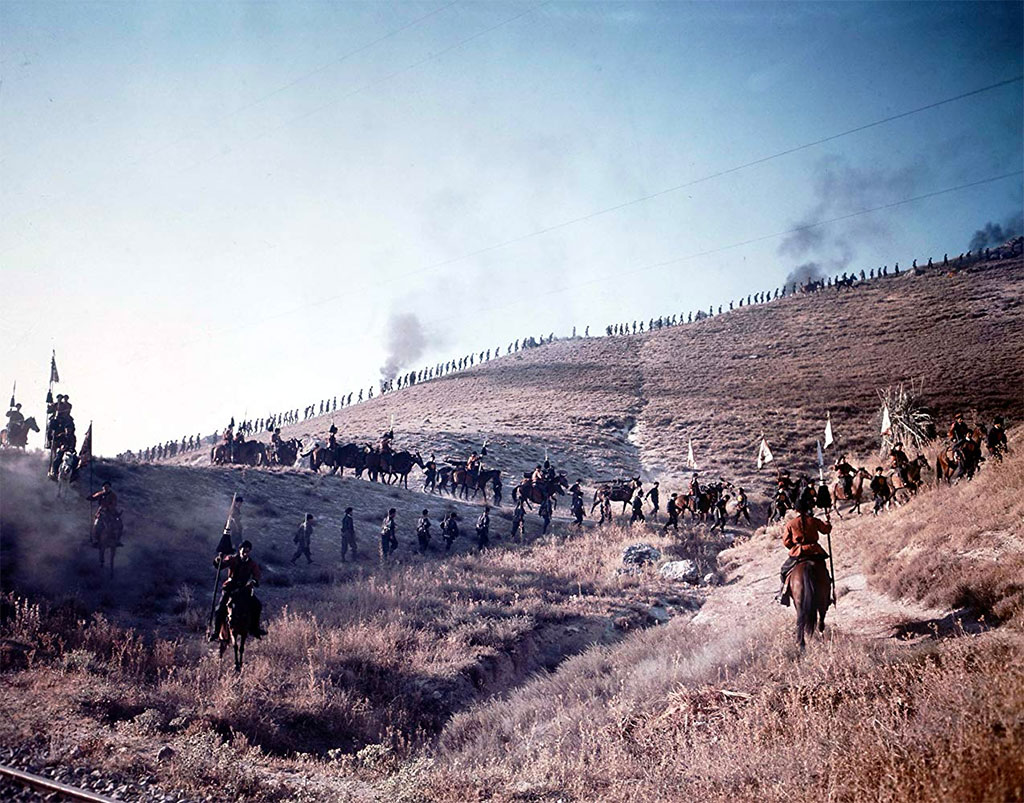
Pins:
x: 213, y: 207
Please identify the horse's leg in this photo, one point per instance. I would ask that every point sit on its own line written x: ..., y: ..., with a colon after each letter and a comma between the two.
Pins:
x: 223, y: 648
x: 113, y: 549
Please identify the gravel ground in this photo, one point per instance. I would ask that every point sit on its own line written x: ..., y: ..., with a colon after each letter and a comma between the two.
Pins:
x: 107, y: 784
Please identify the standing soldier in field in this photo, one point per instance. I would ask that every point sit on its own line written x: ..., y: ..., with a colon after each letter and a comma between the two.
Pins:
x: 638, y: 508
x: 348, y: 535
x: 576, y: 507
x: 673, y: 514
x: 545, y: 514
x: 742, y: 506
x: 388, y: 539
x: 302, y: 537
x: 880, y: 488
x: 449, y: 529
x: 483, y: 529
x: 423, y: 532
x: 653, y: 495
x: 518, y: 515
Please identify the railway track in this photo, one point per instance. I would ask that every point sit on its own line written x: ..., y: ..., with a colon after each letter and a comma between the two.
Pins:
x: 48, y: 786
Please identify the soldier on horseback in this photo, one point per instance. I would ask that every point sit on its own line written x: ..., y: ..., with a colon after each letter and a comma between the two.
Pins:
x: 473, y: 467
x: 243, y: 577
x: 898, y: 460
x: 995, y: 439
x: 107, y: 515
x: 15, y: 421
x: 800, y: 537
x: 845, y: 472
x: 959, y: 433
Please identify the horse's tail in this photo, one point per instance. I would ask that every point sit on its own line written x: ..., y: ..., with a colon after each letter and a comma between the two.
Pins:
x: 806, y: 613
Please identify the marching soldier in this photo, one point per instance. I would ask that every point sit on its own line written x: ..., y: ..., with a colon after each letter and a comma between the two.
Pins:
x: 518, y: 515
x: 450, y: 529
x: 348, y: 535
x: 545, y: 514
x: 301, y: 539
x: 483, y: 528
x: 673, y: 514
x: 423, y: 532
x: 388, y: 539
x: 653, y: 496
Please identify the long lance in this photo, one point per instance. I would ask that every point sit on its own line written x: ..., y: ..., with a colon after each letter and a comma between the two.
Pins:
x: 14, y: 392
x: 225, y: 537
x: 832, y: 570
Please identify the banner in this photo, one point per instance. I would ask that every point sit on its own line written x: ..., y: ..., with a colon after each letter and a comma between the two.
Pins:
x: 886, y: 423
x: 54, y: 376
x: 85, y: 453
x: 829, y: 440
x: 690, y: 462
x: 764, y: 454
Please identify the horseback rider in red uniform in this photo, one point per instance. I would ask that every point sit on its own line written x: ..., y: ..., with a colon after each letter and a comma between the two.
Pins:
x: 243, y: 577
x: 800, y: 537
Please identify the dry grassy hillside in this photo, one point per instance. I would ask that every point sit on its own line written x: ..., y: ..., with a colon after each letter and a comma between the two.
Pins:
x: 606, y: 406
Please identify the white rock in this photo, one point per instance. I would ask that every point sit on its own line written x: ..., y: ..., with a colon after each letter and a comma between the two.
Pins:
x: 684, y: 570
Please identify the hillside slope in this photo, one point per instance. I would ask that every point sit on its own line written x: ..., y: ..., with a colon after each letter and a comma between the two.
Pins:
x: 612, y: 405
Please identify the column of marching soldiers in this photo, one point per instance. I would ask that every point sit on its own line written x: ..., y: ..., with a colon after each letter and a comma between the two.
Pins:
x: 839, y: 282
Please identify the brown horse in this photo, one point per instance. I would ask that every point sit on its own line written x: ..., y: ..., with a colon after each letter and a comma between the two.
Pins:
x: 856, y: 494
x: 953, y: 463
x: 17, y: 438
x: 237, y: 625
x: 810, y: 588
x: 401, y: 464
x: 619, y: 491
x: 901, y: 490
x: 106, y: 536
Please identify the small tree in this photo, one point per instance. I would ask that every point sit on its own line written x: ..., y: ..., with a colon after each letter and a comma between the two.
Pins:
x: 910, y: 421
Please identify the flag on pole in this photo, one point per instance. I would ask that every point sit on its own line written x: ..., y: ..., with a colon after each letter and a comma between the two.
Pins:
x: 764, y: 454
x: 690, y: 462
x: 54, y: 376
x: 85, y: 453
x: 886, y: 423
x: 829, y: 440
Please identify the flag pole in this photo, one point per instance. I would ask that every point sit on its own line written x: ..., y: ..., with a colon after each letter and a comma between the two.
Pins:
x: 831, y: 567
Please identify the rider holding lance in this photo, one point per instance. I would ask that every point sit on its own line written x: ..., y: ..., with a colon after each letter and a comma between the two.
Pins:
x: 243, y: 577
x: 800, y: 537
x: 107, y: 510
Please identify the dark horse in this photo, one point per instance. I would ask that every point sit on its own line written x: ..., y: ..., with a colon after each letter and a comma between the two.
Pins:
x: 106, y: 535
x: 18, y: 438
x: 401, y: 464
x: 284, y: 453
x: 338, y: 458
x: 953, y: 463
x: 462, y: 480
x: 247, y: 453
x: 617, y: 491
x: 810, y: 587
x: 237, y: 625
x: 537, y: 492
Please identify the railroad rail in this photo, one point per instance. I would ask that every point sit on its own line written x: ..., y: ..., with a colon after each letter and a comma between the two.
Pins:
x: 49, y: 785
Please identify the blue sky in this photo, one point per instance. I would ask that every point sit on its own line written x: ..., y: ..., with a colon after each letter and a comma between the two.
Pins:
x: 208, y: 208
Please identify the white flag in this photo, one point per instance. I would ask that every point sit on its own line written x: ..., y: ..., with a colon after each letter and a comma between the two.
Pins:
x: 886, y: 423
x: 690, y: 462
x: 764, y: 454
x: 829, y: 440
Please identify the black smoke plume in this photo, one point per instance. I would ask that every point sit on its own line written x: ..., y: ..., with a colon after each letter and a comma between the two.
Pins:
x: 406, y: 343
x: 840, y: 189
x: 807, y: 272
x: 993, y: 234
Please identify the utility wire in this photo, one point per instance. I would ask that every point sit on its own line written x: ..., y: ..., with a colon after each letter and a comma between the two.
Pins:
x: 659, y: 193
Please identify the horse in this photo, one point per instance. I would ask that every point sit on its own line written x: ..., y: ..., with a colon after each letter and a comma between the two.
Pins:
x: 810, y: 588
x: 901, y: 490
x: 401, y: 464
x: 246, y: 453
x: 374, y: 463
x: 618, y: 491
x: 66, y: 473
x: 856, y: 494
x: 537, y: 492
x: 953, y: 462
x: 283, y: 453
x: 106, y: 535
x: 338, y: 458
x: 237, y: 625
x: 17, y: 438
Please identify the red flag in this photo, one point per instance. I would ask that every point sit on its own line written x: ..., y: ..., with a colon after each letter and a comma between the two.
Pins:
x: 85, y: 455
x: 54, y: 376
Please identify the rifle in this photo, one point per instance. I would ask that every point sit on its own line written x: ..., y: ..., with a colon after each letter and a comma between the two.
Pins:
x: 223, y: 548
